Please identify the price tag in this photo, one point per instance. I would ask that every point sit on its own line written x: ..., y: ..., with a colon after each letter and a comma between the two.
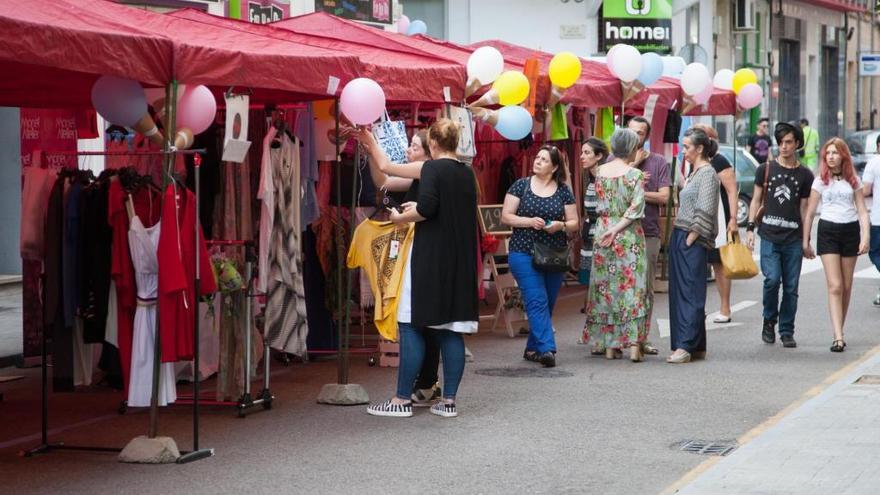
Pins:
x: 394, y: 249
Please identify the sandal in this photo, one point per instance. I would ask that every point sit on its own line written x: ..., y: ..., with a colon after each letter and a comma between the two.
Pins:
x: 838, y: 345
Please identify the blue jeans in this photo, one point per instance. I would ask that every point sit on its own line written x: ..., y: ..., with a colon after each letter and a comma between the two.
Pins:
x: 539, y: 290
x: 412, y: 353
x: 781, y: 263
x: 874, y: 253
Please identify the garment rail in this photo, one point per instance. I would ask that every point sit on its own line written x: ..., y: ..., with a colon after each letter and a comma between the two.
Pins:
x: 45, y: 447
x: 246, y: 401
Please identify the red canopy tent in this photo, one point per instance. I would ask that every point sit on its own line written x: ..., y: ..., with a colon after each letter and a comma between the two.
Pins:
x: 53, y: 50
x: 404, y: 76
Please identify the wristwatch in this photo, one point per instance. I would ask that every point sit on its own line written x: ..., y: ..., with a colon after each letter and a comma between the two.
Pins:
x: 750, y: 227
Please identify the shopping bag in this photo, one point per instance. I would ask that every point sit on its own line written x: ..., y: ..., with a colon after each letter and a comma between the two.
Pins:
x: 559, y: 123
x: 737, y: 259
x: 391, y: 136
x: 465, y: 120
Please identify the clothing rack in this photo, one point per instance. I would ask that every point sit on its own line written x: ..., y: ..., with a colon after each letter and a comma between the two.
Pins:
x: 45, y: 446
x: 245, y: 401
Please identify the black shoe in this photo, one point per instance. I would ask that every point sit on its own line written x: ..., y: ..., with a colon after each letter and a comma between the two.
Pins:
x: 548, y: 359
x: 531, y: 356
x: 788, y: 341
x: 768, y: 334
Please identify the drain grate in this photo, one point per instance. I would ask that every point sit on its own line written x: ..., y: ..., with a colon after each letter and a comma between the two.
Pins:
x: 704, y: 447
x: 524, y: 372
x: 868, y: 380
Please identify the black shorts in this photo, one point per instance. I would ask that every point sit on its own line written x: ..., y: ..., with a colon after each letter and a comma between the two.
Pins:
x: 714, y: 255
x: 838, y: 238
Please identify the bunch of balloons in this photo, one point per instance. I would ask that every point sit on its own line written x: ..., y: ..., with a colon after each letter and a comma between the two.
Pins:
x: 123, y: 102
x: 509, y: 89
x: 410, y: 28
x: 744, y: 83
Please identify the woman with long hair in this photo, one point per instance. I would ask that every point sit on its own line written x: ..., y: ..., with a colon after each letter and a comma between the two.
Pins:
x: 541, y: 209
x: 844, y: 230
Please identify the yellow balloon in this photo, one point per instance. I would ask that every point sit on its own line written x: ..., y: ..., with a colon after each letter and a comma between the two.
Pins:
x: 565, y: 69
x: 512, y: 88
x: 743, y: 77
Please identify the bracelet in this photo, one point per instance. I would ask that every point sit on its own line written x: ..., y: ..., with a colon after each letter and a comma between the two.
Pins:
x: 750, y: 227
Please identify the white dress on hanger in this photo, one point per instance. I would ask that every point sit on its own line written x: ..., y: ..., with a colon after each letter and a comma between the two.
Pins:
x: 143, y: 243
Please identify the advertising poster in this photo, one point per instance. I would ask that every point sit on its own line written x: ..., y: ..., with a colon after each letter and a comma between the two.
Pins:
x: 644, y: 24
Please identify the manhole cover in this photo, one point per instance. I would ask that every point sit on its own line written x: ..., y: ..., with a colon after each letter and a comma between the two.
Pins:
x: 704, y: 447
x: 868, y: 380
x: 524, y: 372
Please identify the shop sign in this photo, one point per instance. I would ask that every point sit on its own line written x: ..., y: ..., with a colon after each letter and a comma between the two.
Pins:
x: 259, y: 11
x: 869, y: 64
x: 644, y: 24
x: 378, y: 11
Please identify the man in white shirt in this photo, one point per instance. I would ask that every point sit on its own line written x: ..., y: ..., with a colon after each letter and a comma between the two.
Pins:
x: 871, y: 187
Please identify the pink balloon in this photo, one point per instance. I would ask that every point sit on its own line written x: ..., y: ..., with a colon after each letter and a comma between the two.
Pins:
x: 362, y: 101
x: 750, y: 96
x: 703, y: 96
x: 402, y: 24
x: 196, y: 109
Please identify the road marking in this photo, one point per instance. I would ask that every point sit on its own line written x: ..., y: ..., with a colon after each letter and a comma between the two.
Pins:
x: 869, y: 273
x: 663, y: 325
x: 750, y: 435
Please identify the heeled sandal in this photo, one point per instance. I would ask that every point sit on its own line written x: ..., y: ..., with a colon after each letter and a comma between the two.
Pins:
x: 635, y: 353
x: 838, y: 345
x: 611, y: 353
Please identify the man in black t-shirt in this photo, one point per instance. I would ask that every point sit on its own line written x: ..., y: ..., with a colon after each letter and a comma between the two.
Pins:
x: 787, y: 190
x: 761, y: 142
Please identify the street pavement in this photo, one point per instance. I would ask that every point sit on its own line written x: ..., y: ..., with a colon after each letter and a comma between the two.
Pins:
x: 588, y: 426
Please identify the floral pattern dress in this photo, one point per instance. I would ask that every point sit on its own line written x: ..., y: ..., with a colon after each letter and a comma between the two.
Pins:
x: 617, y: 303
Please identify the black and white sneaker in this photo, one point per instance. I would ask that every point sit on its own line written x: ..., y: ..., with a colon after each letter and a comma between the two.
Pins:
x: 445, y: 409
x: 425, y: 396
x: 389, y: 408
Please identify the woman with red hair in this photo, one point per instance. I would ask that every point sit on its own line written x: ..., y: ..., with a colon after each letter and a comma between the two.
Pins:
x: 844, y: 230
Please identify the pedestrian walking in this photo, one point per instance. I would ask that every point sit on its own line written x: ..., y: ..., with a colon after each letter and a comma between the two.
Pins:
x: 439, y: 287
x: 810, y: 148
x: 541, y: 209
x: 844, y: 229
x: 726, y: 221
x: 617, y: 299
x: 785, y: 184
x: 695, y: 228
x: 871, y: 187
x: 761, y: 142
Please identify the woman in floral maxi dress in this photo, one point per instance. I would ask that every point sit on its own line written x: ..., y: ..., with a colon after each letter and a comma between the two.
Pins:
x: 617, y: 305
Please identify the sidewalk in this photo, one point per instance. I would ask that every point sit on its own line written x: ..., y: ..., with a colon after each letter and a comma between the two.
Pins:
x: 828, y: 444
x: 10, y: 316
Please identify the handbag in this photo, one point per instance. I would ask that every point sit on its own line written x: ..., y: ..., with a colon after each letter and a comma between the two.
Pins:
x: 391, y: 136
x: 736, y: 259
x: 466, y: 146
x: 558, y: 123
x: 759, y: 215
x: 550, y: 259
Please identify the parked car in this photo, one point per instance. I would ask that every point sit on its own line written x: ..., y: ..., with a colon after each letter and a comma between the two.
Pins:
x: 863, y: 147
x: 745, y: 167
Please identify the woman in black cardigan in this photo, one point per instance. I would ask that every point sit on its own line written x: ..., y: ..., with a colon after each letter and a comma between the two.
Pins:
x: 439, y: 290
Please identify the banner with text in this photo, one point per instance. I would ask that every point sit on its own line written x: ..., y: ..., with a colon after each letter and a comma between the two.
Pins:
x: 644, y: 24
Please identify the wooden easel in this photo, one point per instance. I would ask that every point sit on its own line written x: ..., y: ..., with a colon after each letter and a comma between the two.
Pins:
x: 505, y: 284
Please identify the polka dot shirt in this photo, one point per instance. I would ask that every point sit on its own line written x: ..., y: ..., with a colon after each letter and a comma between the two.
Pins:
x: 530, y: 206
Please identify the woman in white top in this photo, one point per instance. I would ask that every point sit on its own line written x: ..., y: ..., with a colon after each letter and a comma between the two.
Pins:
x: 844, y: 230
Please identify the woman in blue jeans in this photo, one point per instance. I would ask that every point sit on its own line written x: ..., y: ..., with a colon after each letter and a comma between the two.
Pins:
x: 541, y: 209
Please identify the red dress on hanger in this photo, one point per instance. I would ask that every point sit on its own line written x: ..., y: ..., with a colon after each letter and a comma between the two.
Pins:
x: 177, y: 301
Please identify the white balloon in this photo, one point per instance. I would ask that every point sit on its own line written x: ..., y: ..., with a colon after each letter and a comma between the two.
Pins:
x: 723, y: 79
x: 626, y: 63
x: 695, y: 78
x: 673, y: 66
x: 485, y: 64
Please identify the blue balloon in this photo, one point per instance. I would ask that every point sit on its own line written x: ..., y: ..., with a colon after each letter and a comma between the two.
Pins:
x: 417, y: 27
x: 514, y: 122
x: 652, y: 68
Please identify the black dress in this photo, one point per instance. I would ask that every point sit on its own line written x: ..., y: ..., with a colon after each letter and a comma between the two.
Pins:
x: 444, y: 256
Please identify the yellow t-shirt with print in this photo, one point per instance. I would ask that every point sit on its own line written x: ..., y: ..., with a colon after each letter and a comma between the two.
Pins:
x: 380, y: 249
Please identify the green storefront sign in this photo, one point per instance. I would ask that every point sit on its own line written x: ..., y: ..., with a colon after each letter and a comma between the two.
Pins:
x: 644, y: 24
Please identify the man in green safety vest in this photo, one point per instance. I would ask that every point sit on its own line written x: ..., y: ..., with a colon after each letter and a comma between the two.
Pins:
x: 810, y: 152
